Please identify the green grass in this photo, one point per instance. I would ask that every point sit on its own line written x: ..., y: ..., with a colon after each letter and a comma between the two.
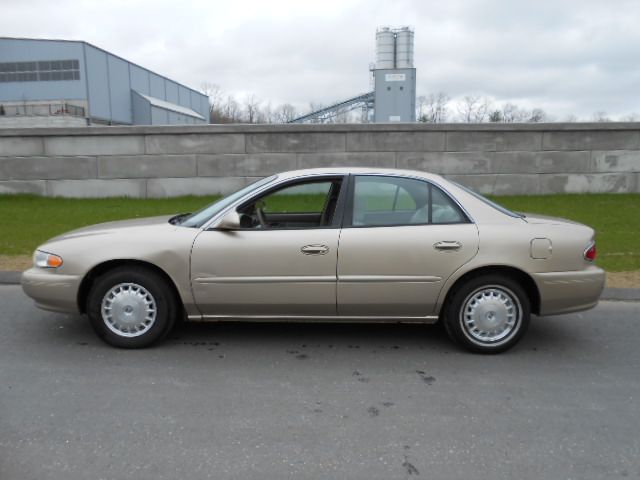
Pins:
x: 26, y: 221
x: 615, y: 217
x: 302, y: 202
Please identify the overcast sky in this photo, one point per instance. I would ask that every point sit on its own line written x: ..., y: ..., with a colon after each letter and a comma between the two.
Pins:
x: 565, y: 56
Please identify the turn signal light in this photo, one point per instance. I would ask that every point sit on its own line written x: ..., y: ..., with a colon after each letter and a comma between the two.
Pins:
x: 47, y: 260
x: 590, y: 252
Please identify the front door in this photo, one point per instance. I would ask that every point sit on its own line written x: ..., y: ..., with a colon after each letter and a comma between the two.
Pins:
x: 402, y: 239
x: 282, y: 262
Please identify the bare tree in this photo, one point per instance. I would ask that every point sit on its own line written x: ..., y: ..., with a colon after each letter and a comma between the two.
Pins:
x: 511, y: 113
x: 285, y: 113
x: 632, y: 117
x: 216, y: 96
x: 251, y: 108
x: 421, y: 102
x: 537, y: 115
x: 483, y: 110
x: 314, y: 107
x: 433, y: 108
x: 213, y: 91
x: 267, y: 114
x: 231, y: 110
x: 496, y: 117
x: 600, y: 116
x: 339, y: 115
x: 474, y: 109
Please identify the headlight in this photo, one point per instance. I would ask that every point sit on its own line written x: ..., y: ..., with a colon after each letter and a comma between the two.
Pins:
x: 46, y: 260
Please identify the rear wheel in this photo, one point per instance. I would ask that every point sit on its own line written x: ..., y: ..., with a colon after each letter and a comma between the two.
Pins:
x: 487, y: 314
x: 131, y: 307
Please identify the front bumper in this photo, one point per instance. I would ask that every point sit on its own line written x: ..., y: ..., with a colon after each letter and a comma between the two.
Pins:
x: 565, y: 292
x: 51, y: 290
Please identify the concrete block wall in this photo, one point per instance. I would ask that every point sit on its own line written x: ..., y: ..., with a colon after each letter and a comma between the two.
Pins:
x: 180, y: 160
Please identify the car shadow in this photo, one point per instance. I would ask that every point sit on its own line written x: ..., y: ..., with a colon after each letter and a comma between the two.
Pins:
x: 353, y: 335
x: 545, y: 334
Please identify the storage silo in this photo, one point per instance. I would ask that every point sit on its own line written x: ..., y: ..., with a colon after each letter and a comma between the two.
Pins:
x: 404, y: 48
x: 394, y: 76
x: 385, y: 48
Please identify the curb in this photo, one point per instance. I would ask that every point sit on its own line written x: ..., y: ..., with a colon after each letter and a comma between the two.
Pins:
x: 620, y: 294
x: 10, y: 278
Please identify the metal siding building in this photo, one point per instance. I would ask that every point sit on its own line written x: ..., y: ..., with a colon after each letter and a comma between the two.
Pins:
x: 104, y: 88
x: 394, y: 76
x: 395, y: 95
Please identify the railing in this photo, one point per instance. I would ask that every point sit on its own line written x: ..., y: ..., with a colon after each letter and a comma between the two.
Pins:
x: 41, y: 110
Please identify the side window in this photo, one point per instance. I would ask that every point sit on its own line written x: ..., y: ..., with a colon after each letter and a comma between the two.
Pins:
x: 384, y: 201
x: 304, y: 198
x: 307, y: 204
x: 443, y: 209
x: 387, y: 201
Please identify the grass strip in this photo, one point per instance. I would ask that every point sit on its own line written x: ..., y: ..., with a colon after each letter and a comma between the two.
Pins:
x: 26, y: 221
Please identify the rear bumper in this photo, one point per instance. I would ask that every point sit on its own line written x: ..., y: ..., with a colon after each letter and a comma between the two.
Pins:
x: 565, y: 292
x: 52, y: 291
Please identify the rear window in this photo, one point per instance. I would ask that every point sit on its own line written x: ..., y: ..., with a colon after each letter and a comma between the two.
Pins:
x: 491, y: 203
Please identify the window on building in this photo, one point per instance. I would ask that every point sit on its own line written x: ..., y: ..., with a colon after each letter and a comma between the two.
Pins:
x: 42, y: 70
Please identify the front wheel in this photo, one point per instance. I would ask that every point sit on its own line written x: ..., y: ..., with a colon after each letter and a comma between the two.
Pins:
x: 131, y: 307
x: 487, y: 314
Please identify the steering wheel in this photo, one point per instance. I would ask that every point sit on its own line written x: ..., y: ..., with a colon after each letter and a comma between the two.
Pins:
x: 260, y: 214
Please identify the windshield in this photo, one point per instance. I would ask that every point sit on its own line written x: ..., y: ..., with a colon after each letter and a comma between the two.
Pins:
x: 500, y: 208
x: 200, y: 217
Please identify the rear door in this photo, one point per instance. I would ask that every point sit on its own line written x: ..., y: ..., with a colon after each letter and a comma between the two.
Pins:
x: 402, y: 238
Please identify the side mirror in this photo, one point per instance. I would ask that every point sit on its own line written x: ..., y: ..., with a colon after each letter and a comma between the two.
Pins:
x: 231, y: 221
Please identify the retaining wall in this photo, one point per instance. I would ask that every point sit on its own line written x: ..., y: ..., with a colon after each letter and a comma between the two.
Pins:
x: 179, y: 160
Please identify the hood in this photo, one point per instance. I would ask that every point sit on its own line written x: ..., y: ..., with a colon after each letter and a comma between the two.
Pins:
x: 110, y: 227
x: 535, y: 218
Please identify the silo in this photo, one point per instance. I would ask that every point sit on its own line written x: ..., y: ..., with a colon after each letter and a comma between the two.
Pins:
x: 385, y: 48
x: 404, y: 48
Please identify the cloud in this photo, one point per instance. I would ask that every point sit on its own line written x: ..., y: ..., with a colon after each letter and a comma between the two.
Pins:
x: 569, y: 57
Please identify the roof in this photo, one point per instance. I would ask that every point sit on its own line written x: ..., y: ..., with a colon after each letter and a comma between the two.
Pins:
x: 83, y: 42
x: 358, y: 170
x: 156, y: 102
x: 479, y: 211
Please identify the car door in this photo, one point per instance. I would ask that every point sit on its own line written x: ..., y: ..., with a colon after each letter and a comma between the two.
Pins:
x: 402, y: 238
x: 281, y: 263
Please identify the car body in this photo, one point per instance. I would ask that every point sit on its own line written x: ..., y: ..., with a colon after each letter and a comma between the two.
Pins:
x: 341, y: 244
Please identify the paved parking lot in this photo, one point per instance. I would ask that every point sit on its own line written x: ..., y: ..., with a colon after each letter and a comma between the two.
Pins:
x: 278, y: 401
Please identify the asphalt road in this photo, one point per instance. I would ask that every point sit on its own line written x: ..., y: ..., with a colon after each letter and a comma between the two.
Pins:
x: 277, y: 401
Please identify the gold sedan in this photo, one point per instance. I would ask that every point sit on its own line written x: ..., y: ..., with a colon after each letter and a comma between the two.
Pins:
x: 343, y: 245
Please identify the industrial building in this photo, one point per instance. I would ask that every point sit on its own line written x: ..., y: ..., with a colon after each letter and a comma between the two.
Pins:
x: 393, y: 76
x: 71, y: 83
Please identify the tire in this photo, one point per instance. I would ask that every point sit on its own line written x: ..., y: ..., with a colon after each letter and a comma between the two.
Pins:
x: 487, y: 314
x: 132, y: 307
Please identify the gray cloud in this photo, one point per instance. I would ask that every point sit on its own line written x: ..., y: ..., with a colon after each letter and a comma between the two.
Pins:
x: 565, y: 56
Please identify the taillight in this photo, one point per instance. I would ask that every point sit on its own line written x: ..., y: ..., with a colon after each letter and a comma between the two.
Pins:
x: 590, y: 252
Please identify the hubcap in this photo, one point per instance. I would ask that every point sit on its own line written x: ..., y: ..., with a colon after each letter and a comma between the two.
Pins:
x: 128, y: 310
x: 490, y: 315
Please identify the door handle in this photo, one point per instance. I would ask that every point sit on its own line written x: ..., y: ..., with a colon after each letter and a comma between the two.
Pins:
x: 315, y: 249
x: 447, y: 246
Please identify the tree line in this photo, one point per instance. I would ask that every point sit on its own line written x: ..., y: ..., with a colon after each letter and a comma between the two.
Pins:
x: 432, y: 108
x: 226, y: 108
